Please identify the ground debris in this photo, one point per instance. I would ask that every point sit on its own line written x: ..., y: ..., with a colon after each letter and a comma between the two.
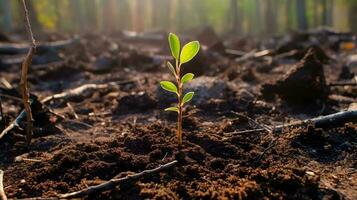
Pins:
x: 229, y: 149
x: 302, y: 84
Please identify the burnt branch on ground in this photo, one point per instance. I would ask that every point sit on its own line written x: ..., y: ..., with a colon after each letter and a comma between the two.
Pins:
x: 333, y: 120
x: 111, y: 184
x: 81, y: 91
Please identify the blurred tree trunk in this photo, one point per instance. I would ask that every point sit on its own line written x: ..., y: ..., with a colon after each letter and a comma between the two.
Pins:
x: 288, y: 10
x: 327, y: 12
x: 108, y: 15
x: 6, y: 15
x: 270, y: 17
x: 234, y: 17
x: 258, y: 14
x: 154, y: 15
x: 123, y: 9
x: 161, y: 10
x: 58, y: 7
x: 316, y: 13
x: 330, y: 11
x: 140, y: 15
x: 200, y: 7
x: 180, y: 18
x: 352, y: 16
x: 301, y: 14
x: 78, y: 15
x: 90, y: 14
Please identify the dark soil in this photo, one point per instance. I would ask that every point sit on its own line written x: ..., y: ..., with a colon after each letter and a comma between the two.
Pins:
x: 123, y: 129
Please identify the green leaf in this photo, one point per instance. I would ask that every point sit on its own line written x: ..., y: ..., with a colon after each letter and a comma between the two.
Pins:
x: 173, y: 109
x: 175, y: 45
x: 189, y: 51
x: 187, y: 97
x: 172, y: 69
x: 187, y: 77
x: 169, y: 86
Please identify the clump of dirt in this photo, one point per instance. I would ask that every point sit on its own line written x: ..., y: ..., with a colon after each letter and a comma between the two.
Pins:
x: 346, y: 73
x: 141, y: 101
x: 304, y: 83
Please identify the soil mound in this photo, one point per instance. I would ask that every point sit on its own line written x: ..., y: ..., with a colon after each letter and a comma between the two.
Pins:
x: 302, y: 84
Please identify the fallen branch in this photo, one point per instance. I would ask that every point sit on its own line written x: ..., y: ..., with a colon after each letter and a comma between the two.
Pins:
x: 2, y: 192
x: 24, y: 82
x: 235, y: 52
x: 286, y: 54
x: 333, y: 120
x: 111, y: 184
x: 81, y: 91
x: 257, y: 124
x: 342, y: 99
x: 252, y: 55
x: 5, y: 83
x: 23, y: 158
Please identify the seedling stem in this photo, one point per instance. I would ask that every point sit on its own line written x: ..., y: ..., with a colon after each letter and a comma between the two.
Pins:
x: 184, y: 55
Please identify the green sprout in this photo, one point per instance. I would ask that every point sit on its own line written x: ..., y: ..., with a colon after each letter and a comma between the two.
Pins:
x: 182, y: 56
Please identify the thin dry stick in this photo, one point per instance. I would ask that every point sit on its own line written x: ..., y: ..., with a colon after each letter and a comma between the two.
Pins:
x: 2, y: 192
x: 82, y: 90
x: 114, y: 182
x: 23, y: 83
x: 332, y: 120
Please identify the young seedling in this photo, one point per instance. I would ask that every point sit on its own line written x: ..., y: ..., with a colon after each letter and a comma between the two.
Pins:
x: 182, y: 56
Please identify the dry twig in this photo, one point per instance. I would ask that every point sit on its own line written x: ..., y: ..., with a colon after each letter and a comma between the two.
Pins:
x: 111, y: 184
x: 333, y: 120
x: 253, y: 55
x: 24, y: 83
x: 5, y: 83
x: 2, y: 192
x: 81, y: 91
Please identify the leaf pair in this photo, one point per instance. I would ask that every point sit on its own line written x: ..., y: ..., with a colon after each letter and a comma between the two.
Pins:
x: 188, y: 52
x: 171, y: 87
x: 185, y: 99
x: 184, y: 55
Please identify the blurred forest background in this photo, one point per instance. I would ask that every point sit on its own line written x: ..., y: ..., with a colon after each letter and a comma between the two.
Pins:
x: 246, y: 17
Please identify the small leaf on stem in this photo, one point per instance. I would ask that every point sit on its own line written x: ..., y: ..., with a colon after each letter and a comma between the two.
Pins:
x: 173, y: 109
x: 187, y: 77
x: 172, y: 69
x: 189, y: 51
x: 169, y: 86
x: 175, y: 46
x: 187, y: 97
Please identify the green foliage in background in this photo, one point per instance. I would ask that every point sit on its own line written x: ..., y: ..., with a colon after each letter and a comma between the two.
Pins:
x: 253, y: 17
